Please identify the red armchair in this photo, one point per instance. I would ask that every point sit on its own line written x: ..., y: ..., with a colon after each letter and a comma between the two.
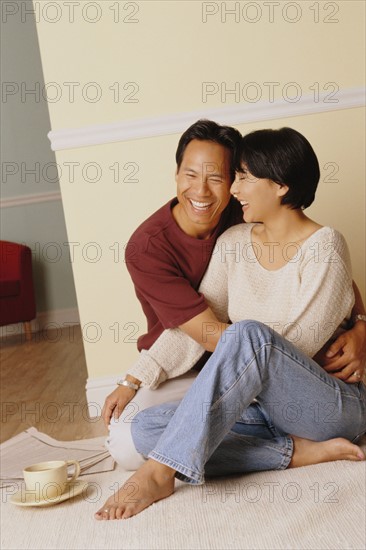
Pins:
x: 17, y: 303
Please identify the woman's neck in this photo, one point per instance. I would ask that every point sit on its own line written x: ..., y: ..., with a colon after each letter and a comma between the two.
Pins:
x: 278, y: 240
x: 288, y: 226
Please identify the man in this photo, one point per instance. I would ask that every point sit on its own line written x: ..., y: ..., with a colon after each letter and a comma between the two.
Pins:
x: 167, y: 257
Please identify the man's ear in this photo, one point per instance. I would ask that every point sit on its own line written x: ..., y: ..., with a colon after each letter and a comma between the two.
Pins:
x: 176, y: 175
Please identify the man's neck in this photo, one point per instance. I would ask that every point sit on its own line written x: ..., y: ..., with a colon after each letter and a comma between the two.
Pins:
x: 195, y: 230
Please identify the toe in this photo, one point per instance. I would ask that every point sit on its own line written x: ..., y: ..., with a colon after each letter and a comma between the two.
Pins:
x: 119, y: 512
x: 101, y: 514
x: 350, y: 451
x: 127, y: 514
x: 358, y: 453
x: 112, y: 512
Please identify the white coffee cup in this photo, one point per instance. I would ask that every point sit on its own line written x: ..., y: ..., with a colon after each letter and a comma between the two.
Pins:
x: 48, y: 480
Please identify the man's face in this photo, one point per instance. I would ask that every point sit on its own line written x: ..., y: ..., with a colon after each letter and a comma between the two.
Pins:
x: 203, y: 186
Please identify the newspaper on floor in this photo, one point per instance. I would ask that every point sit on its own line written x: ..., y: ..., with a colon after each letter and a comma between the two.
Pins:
x: 33, y: 446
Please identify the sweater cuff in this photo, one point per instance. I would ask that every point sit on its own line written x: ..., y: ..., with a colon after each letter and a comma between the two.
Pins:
x: 148, y: 371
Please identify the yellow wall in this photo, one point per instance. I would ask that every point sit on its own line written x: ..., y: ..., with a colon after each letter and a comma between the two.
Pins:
x: 169, y: 53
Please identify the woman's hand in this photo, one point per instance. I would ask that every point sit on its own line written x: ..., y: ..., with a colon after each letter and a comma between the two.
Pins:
x: 347, y: 355
x: 116, y: 402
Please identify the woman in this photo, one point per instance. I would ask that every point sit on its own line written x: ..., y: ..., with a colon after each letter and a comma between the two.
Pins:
x: 261, y: 401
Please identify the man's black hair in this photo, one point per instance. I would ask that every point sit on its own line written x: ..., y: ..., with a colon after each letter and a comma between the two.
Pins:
x: 208, y: 130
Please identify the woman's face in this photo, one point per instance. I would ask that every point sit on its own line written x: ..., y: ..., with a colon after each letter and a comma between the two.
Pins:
x: 260, y: 197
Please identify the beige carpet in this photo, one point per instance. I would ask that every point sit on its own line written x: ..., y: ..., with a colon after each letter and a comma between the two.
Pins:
x: 316, y: 507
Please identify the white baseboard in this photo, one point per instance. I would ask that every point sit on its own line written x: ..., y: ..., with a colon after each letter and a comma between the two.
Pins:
x: 97, y: 390
x: 55, y: 319
x: 30, y: 198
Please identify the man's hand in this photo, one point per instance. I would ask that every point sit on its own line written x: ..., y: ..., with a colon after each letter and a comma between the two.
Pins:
x: 347, y: 355
x: 116, y: 402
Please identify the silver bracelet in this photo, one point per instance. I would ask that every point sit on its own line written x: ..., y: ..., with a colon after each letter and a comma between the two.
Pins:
x: 128, y: 384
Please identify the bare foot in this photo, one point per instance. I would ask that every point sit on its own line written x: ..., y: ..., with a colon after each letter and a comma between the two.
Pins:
x: 152, y: 482
x: 308, y: 452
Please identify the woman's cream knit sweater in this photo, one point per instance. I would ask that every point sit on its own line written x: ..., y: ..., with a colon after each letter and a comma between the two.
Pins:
x: 305, y: 301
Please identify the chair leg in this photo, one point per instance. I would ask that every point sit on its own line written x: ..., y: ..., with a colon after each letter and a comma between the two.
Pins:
x: 28, y: 331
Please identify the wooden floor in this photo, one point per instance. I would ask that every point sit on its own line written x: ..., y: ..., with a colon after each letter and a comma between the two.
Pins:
x: 43, y: 385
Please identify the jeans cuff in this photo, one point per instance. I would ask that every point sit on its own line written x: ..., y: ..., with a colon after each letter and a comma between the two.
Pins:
x: 288, y: 451
x: 181, y: 472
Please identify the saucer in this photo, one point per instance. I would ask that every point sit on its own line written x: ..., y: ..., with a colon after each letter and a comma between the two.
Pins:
x: 24, y: 498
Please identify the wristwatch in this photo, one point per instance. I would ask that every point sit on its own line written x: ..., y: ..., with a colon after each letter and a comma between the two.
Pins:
x: 128, y: 384
x: 359, y: 317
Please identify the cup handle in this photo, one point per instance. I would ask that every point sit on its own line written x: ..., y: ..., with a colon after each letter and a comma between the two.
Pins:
x: 77, y: 470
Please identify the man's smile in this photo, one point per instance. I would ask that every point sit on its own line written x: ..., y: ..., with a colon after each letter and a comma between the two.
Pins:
x: 200, y: 205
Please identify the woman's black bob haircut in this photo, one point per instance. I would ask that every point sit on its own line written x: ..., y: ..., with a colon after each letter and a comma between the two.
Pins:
x: 284, y: 156
x: 208, y: 130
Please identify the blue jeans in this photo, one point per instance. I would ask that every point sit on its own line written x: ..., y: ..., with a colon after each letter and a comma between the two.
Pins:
x: 217, y: 429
